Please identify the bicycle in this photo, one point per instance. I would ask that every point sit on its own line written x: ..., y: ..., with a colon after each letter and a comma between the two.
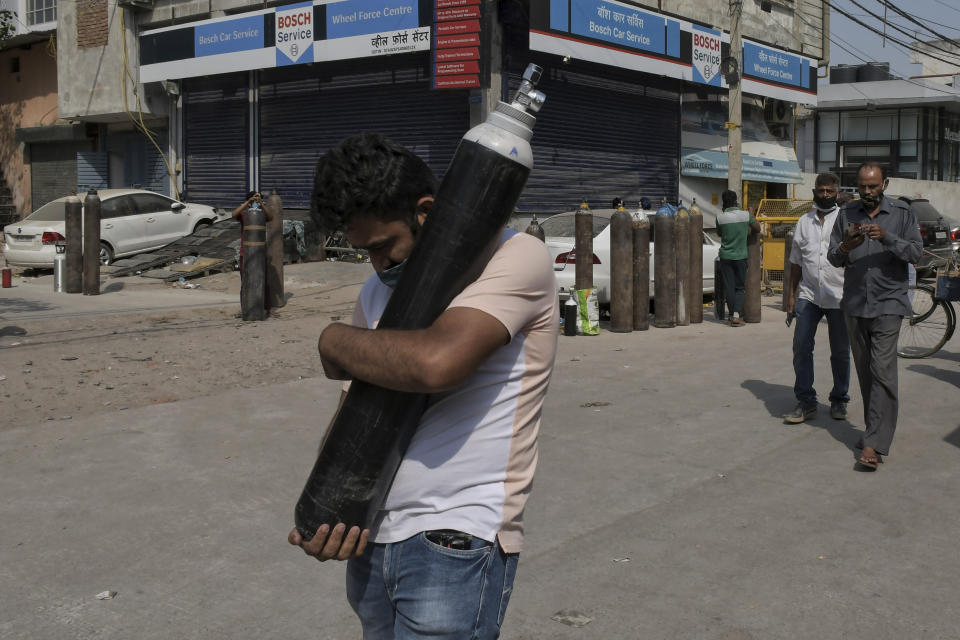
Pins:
x: 931, y: 326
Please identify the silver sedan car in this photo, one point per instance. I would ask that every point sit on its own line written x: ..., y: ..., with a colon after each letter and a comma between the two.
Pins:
x: 131, y: 221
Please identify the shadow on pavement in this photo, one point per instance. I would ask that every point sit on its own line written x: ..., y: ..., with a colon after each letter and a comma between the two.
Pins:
x: 779, y: 400
x: 953, y: 377
x: 946, y: 355
x: 113, y: 287
x: 953, y: 437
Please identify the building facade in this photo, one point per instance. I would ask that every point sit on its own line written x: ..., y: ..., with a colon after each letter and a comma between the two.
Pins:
x: 218, y: 97
x: 32, y: 137
x: 911, y: 127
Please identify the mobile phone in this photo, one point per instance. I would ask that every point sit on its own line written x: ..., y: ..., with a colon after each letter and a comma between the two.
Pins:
x: 450, y: 539
x: 853, y: 229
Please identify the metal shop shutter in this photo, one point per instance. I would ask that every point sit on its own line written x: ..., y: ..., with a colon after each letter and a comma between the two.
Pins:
x: 215, y: 140
x: 53, y: 170
x: 302, y: 117
x: 143, y: 166
x: 600, y: 138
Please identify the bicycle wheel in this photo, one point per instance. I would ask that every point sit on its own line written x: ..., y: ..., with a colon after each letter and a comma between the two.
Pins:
x: 930, y: 327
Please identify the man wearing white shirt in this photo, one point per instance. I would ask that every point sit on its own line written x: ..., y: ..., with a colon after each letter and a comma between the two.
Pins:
x: 816, y: 288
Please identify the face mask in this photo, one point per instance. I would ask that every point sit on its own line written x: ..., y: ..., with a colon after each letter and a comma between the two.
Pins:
x: 825, y: 204
x: 391, y: 276
x: 871, y: 202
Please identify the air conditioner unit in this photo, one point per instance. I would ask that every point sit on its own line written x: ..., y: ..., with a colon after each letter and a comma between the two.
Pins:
x: 777, y: 111
x: 778, y: 115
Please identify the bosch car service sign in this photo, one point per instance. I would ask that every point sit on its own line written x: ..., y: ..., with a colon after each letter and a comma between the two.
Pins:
x: 294, y: 34
x: 706, y: 55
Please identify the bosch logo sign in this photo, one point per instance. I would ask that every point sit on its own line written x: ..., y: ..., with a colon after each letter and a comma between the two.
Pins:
x: 703, y: 41
x: 297, y: 20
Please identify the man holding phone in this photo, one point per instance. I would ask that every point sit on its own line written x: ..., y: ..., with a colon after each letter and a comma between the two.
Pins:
x: 875, y: 238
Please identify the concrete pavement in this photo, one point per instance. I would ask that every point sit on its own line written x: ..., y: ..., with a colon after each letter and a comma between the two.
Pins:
x: 670, y: 502
x: 33, y: 298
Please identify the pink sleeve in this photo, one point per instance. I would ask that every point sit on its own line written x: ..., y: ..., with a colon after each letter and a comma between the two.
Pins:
x: 517, y: 287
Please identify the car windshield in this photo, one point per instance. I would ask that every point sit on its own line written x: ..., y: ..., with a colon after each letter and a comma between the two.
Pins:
x: 924, y: 211
x: 564, y: 226
x: 51, y: 212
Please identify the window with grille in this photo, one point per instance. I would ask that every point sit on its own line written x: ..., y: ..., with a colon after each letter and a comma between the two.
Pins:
x: 40, y: 11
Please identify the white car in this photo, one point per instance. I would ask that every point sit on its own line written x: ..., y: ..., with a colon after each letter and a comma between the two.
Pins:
x: 131, y: 221
x: 560, y: 232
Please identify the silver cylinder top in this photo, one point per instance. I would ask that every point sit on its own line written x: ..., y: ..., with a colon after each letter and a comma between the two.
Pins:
x: 528, y: 99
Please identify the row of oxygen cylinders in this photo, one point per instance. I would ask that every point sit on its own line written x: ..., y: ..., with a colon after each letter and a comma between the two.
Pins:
x: 678, y: 265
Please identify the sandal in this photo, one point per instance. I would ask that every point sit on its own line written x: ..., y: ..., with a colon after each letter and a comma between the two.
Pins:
x: 870, y: 460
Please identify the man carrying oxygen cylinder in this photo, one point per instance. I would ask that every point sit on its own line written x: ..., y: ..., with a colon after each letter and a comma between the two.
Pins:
x: 441, y: 556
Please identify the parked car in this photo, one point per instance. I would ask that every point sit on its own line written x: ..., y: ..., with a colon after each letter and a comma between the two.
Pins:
x: 941, y: 236
x: 560, y: 234
x: 131, y: 221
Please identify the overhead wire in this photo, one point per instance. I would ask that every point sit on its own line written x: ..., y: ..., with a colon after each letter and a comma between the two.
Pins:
x: 909, y: 17
x: 907, y: 26
x: 864, y: 60
x: 888, y: 37
x: 947, y: 5
x: 907, y: 33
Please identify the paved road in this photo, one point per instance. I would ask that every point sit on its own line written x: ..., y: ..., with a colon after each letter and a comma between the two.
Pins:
x: 670, y: 502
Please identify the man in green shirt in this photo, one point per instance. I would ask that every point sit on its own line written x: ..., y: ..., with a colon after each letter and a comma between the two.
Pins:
x: 733, y: 225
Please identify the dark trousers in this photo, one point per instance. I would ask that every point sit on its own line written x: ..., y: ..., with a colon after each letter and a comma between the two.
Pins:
x: 734, y: 275
x: 808, y: 319
x: 874, y: 345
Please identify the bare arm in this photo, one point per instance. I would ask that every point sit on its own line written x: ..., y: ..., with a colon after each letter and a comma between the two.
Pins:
x: 239, y: 210
x: 422, y: 361
x: 796, y: 274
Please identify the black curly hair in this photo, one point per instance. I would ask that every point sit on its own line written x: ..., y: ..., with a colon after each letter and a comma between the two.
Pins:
x: 368, y: 174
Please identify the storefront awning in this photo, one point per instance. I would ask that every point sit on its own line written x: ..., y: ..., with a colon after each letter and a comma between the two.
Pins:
x: 767, y: 153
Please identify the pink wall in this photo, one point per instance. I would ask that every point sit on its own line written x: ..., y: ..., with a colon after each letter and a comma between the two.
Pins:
x: 28, y: 98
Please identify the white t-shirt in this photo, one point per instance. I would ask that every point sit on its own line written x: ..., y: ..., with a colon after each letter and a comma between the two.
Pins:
x: 470, y: 464
x: 822, y: 283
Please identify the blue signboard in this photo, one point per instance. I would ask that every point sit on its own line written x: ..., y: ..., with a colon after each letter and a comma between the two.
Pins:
x: 776, y: 66
x: 228, y: 36
x: 619, y: 24
x: 363, y: 17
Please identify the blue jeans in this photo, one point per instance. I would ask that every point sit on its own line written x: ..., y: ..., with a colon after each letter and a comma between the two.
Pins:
x: 808, y: 318
x: 734, y: 275
x: 416, y: 588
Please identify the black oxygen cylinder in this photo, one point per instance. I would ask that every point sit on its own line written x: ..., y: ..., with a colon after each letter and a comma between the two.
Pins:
x: 367, y: 440
x: 73, y: 229
x: 91, y: 243
x: 254, y: 275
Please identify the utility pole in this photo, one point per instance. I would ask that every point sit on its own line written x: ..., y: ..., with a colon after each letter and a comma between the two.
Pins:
x: 735, y: 99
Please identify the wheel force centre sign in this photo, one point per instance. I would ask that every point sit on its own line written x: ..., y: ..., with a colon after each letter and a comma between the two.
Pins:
x: 312, y: 31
